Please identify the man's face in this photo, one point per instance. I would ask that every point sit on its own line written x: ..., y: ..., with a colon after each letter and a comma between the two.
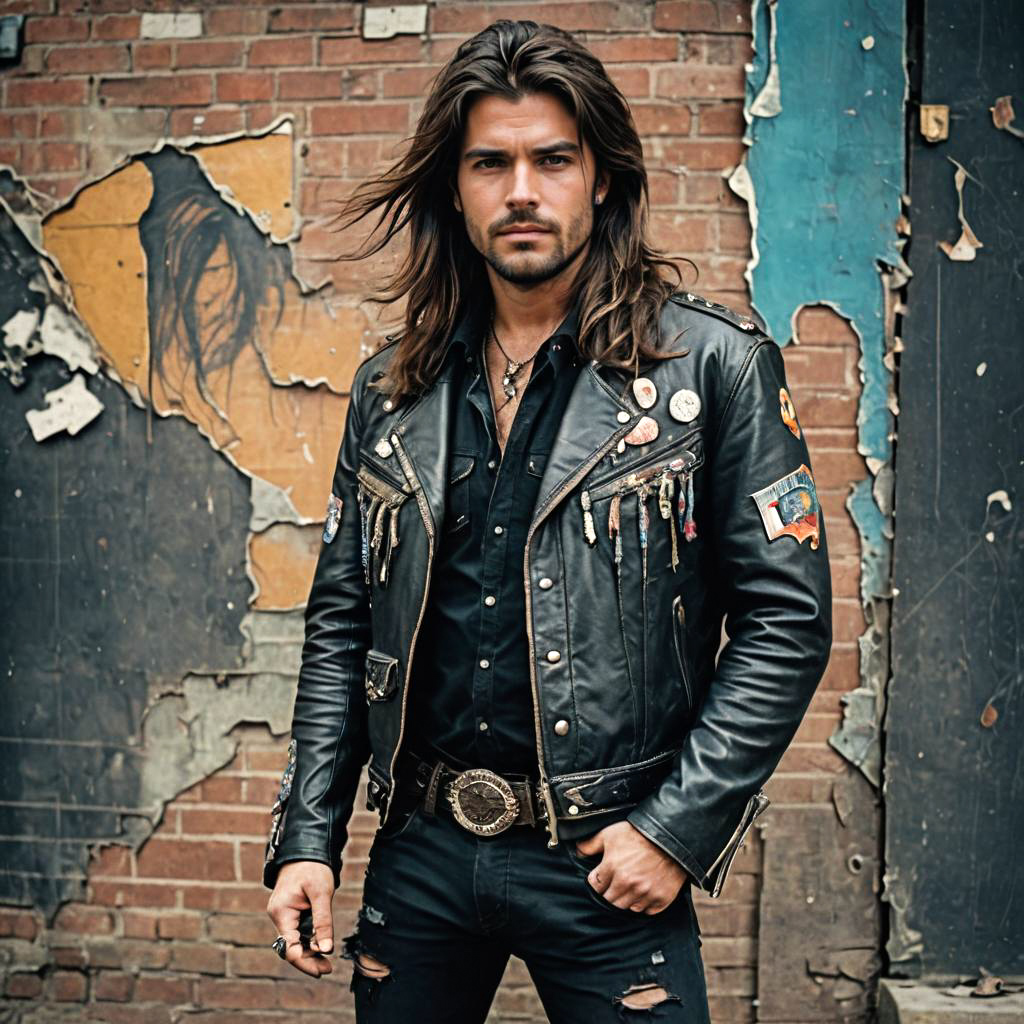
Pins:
x: 525, y: 187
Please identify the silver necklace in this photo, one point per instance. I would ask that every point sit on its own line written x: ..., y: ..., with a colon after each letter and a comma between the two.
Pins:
x: 512, y: 367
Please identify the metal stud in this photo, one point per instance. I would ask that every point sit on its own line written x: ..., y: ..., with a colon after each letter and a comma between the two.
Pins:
x: 554, y: 656
x: 546, y: 583
x: 383, y: 448
x: 388, y: 405
x: 622, y: 416
x: 561, y: 727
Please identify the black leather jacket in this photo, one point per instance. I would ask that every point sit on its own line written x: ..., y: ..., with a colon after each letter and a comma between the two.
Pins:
x: 664, y: 722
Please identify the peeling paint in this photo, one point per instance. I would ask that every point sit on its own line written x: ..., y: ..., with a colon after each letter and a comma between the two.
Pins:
x: 69, y: 408
x: 1003, y: 116
x: 823, y: 238
x: 966, y: 246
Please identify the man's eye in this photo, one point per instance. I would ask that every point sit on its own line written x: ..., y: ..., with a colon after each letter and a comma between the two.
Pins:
x: 554, y: 160
x: 488, y: 162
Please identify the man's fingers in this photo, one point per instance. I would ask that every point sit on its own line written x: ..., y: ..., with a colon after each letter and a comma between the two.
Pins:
x: 591, y: 845
x: 305, y: 960
x: 323, y: 922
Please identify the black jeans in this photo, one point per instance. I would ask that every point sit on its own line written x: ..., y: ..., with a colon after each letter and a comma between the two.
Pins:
x: 444, y: 909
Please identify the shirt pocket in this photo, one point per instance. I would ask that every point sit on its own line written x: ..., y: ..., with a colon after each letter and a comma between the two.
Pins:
x: 458, y: 512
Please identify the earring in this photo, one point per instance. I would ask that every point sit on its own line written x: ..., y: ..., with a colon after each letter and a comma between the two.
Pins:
x: 598, y: 200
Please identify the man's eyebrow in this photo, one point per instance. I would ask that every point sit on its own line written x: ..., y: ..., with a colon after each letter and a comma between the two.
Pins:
x: 487, y: 153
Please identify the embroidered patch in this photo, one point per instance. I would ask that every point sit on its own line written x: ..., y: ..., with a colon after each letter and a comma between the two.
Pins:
x: 788, y: 411
x: 333, y: 520
x: 790, y: 506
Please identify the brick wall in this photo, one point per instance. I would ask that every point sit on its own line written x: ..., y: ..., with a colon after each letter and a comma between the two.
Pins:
x: 181, y: 926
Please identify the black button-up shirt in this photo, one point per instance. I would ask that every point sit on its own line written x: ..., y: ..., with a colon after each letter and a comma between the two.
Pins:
x: 470, y: 699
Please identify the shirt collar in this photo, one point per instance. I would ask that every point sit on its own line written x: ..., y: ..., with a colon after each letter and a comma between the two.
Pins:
x: 561, y: 347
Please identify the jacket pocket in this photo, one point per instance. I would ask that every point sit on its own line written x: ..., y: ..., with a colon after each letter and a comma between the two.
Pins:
x: 680, y: 456
x: 381, y: 675
x: 679, y: 635
x: 380, y: 502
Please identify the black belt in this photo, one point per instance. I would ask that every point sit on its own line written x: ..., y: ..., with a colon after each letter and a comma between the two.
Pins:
x: 481, y: 801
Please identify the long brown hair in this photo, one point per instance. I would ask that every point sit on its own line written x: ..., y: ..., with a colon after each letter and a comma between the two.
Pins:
x: 623, y: 282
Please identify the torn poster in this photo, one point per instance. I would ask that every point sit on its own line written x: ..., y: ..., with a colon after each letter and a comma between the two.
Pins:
x: 69, y: 408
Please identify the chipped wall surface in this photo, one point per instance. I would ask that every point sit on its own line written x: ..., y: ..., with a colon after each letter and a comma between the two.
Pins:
x: 822, y: 179
x: 181, y: 482
x: 825, y: 106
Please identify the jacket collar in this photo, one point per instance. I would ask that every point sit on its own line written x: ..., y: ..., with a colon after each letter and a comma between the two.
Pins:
x: 591, y: 420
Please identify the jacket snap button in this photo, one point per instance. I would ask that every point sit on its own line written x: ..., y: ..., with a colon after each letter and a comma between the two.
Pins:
x: 561, y: 727
x: 554, y: 656
x: 546, y: 583
x: 388, y: 405
x: 622, y: 416
x: 573, y: 809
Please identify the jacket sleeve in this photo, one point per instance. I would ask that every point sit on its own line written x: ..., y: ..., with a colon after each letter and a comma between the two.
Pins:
x: 776, y: 597
x: 329, y: 742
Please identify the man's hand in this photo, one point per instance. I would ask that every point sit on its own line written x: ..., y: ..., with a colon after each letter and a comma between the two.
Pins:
x: 634, y: 874
x: 303, y: 885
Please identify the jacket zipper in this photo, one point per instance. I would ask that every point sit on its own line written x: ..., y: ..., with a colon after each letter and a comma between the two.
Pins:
x: 723, y: 862
x: 649, y: 459
x: 584, y: 468
x: 421, y: 501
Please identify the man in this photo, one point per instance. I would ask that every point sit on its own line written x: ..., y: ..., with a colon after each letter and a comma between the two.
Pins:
x: 552, y: 488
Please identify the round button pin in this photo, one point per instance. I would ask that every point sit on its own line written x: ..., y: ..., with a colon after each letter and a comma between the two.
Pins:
x: 646, y: 430
x: 645, y: 393
x: 684, y: 405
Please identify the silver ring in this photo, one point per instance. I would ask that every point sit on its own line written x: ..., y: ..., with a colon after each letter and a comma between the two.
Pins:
x: 280, y: 946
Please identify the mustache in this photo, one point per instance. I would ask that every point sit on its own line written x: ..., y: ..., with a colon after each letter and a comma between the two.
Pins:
x: 516, y: 219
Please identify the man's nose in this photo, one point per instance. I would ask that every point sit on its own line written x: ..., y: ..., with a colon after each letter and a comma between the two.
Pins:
x: 523, y: 186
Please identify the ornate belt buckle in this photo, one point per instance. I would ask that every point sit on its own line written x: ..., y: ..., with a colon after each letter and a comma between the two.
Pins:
x: 483, y: 802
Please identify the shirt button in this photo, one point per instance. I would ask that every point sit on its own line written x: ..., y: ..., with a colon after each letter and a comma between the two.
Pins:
x: 388, y: 405
x: 499, y: 530
x: 489, y: 600
x: 483, y: 727
x: 554, y: 656
x: 561, y: 727
x: 484, y: 663
x: 622, y: 416
x: 491, y: 464
x: 545, y: 583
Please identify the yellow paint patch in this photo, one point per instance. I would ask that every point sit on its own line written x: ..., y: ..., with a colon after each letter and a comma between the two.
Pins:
x: 282, y: 560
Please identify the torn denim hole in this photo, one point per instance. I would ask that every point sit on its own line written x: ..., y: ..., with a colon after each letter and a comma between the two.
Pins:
x: 366, y: 967
x: 646, y: 993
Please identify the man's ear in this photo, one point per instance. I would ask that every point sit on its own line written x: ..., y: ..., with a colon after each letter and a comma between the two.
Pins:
x: 602, y: 187
x: 456, y: 200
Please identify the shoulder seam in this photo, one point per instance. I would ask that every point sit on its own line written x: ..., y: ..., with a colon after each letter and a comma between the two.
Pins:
x: 756, y: 345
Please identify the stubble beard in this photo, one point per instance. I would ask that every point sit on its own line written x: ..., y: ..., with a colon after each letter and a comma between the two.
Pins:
x: 524, y: 273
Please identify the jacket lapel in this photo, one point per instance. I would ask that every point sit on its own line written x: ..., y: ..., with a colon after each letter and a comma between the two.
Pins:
x: 589, y: 424
x: 424, y: 430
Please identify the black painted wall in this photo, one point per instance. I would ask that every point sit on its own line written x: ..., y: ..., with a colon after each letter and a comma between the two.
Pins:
x: 954, y: 763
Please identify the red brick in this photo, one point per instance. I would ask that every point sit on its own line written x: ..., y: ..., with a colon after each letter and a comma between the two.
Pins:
x: 632, y: 82
x: 822, y: 325
x: 279, y: 52
x: 703, y: 155
x: 263, y: 792
x: 179, y: 926
x: 211, y: 122
x: 244, y: 87
x: 116, y: 26
x: 574, y: 17
x: 139, y: 924
x: 827, y: 410
x: 171, y: 991
x: 242, y: 995
x: 241, y: 929
x: 402, y: 49
x: 131, y: 894
x: 734, y: 232
x: 18, y: 924
x: 661, y: 118
x: 158, y: 91
x: 843, y: 670
x: 112, y: 987
x: 239, y: 900
x: 810, y: 367
x: 23, y: 125
x: 69, y: 987
x: 312, y: 19
x: 34, y: 92
x: 151, y: 56
x: 721, y: 119
x: 56, y: 30
x: 266, y: 760
x: 299, y: 995
x: 87, y: 59
x: 202, y: 861
x: 641, y: 49
x: 309, y: 85
x: 702, y: 15
x: 206, y: 54
x: 680, y: 233
x: 407, y: 81
x: 23, y: 986
x: 84, y: 920
x: 701, y: 82
x: 200, y: 958
x: 235, y: 21
x: 847, y: 619
x: 112, y: 860
x: 222, y: 822
x: 360, y: 119
x: 359, y: 84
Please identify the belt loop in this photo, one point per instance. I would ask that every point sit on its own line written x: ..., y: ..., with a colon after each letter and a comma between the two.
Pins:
x: 430, y: 800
